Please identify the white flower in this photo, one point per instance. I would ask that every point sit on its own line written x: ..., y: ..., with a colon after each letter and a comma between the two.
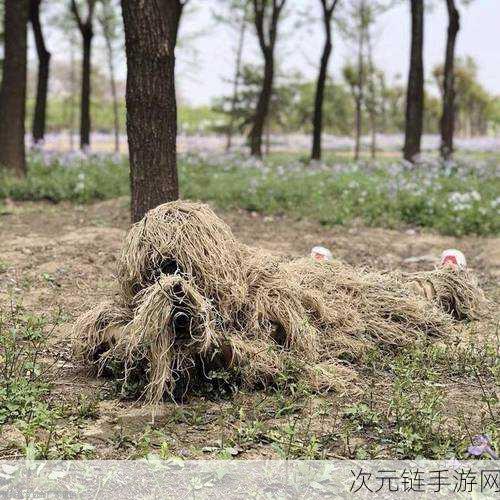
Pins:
x: 475, y: 195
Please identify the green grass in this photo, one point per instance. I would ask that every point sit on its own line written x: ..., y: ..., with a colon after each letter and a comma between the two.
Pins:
x: 403, y: 411
x: 460, y: 199
x: 26, y: 400
x: 192, y: 120
x: 82, y: 182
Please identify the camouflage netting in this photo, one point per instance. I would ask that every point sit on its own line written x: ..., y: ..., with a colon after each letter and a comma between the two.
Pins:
x: 190, y: 297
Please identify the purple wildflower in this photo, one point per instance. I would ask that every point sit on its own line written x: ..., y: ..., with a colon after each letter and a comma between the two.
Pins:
x: 480, y: 445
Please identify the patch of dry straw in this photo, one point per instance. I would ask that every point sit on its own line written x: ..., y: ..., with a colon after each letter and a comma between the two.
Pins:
x: 190, y: 295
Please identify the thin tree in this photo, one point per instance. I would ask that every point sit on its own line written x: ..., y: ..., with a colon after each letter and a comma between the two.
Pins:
x: 39, y: 117
x: 2, y: 13
x: 355, y: 75
x: 64, y: 21
x: 107, y: 20
x: 266, y: 14
x: 415, y: 91
x: 371, y: 101
x: 13, y: 88
x: 447, y: 124
x: 383, y: 95
x: 355, y: 80
x: 86, y: 29
x: 236, y: 17
x: 243, y: 23
x: 151, y: 30
x: 361, y: 76
x: 72, y: 92
x: 328, y: 9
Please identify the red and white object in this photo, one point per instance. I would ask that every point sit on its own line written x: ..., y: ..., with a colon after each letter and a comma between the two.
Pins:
x: 454, y: 258
x: 321, y: 254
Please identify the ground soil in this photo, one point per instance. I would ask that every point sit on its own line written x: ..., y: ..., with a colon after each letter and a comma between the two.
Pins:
x: 58, y: 260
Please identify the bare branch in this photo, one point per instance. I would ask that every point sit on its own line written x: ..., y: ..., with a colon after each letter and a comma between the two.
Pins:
x: 273, y: 28
x: 90, y: 14
x: 281, y: 4
x: 259, y: 23
x: 334, y: 4
x: 76, y: 13
x: 328, y: 8
x: 91, y: 5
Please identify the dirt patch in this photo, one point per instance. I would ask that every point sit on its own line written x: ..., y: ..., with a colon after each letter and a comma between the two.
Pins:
x: 59, y: 259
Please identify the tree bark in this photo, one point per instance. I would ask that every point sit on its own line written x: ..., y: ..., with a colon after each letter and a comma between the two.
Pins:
x: 320, y: 85
x: 262, y: 110
x: 13, y: 89
x: 361, y: 84
x: 268, y: 138
x: 447, y: 124
x: 415, y: 91
x: 112, y: 79
x: 87, y: 32
x: 267, y: 42
x: 383, y: 103
x: 39, y: 117
x: 150, y: 38
x: 72, y: 79
x: 85, y: 121
x: 237, y: 75
x: 372, y: 111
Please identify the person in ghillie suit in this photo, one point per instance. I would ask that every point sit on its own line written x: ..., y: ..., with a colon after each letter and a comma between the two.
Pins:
x: 191, y: 297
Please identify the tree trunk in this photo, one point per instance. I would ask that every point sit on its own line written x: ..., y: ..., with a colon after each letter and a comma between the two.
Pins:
x: 318, y: 101
x: 85, y: 124
x: 372, y: 111
x: 373, y: 144
x: 114, y: 94
x: 447, y: 124
x: 262, y: 109
x: 239, y: 57
x: 361, y: 88
x: 72, y: 79
x: 355, y: 94
x: 266, y: 25
x: 357, y: 141
x: 415, y: 92
x: 150, y: 39
x: 13, y: 89
x: 383, y: 104
x: 87, y: 32
x: 39, y: 117
x: 320, y: 85
x: 268, y: 136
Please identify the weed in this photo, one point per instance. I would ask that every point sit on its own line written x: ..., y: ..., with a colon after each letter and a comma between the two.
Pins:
x: 295, y: 440
x: 25, y: 389
x: 22, y: 388
x: 252, y: 432
x: 86, y: 407
x: 456, y: 198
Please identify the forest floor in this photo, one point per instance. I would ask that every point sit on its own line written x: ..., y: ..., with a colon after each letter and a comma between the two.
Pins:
x: 56, y: 260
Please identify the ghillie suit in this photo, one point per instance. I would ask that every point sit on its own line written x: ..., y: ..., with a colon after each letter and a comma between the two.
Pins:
x: 191, y: 297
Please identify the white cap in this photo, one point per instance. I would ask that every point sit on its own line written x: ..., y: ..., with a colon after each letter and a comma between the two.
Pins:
x: 453, y: 257
x: 321, y: 254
